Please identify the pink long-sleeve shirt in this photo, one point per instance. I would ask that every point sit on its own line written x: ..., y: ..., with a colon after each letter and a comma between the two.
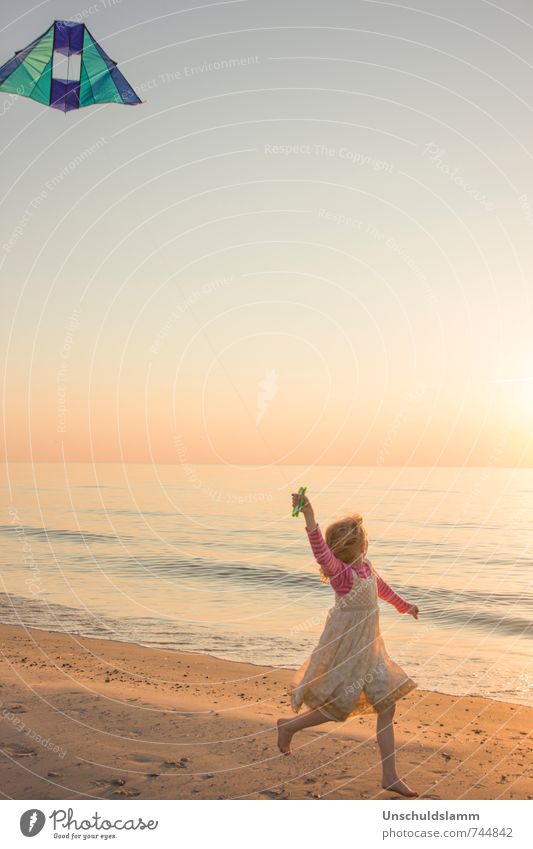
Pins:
x: 341, y: 575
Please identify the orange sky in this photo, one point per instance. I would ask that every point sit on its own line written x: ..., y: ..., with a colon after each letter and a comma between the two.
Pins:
x: 301, y: 260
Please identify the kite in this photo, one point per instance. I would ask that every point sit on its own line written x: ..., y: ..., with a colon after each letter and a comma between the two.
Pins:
x: 67, y: 69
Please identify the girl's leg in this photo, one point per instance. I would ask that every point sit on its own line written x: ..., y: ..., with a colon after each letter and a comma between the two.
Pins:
x: 387, y: 748
x: 288, y: 727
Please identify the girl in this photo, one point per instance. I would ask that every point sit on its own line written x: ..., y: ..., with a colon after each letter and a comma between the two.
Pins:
x: 349, y: 671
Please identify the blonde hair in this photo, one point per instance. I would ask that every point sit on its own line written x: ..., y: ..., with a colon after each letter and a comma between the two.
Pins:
x: 347, y: 538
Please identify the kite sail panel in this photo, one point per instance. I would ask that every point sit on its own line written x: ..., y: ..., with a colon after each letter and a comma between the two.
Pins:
x: 87, y: 77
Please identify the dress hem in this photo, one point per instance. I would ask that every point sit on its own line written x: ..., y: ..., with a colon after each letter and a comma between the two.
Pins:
x: 362, y: 705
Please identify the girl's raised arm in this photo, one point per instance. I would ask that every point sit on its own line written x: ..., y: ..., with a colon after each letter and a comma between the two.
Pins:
x: 340, y: 574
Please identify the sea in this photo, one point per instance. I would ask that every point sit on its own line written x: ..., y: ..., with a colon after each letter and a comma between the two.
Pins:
x: 208, y: 558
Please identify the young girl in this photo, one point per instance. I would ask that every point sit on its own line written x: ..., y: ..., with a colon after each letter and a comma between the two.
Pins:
x: 349, y: 671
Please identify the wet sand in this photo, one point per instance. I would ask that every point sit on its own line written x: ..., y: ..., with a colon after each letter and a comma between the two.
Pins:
x: 82, y: 718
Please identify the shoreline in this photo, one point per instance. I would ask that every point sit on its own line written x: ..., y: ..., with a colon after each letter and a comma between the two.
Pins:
x: 215, y: 657
x: 85, y: 717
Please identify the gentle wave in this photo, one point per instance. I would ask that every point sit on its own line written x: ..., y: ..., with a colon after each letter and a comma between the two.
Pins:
x: 150, y: 631
x: 443, y: 606
x: 61, y: 534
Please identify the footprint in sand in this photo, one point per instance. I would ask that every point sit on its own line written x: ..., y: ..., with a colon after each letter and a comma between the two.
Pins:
x: 275, y: 794
x: 181, y: 764
x: 108, y: 782
x: 18, y: 750
x: 126, y: 793
x: 116, y: 785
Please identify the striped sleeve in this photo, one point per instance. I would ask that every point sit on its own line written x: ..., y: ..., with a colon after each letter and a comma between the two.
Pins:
x: 340, y: 574
x: 386, y: 593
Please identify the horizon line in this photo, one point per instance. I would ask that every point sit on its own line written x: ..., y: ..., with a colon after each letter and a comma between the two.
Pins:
x: 267, y: 465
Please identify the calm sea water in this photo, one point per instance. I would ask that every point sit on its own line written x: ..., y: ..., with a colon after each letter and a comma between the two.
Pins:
x: 209, y: 559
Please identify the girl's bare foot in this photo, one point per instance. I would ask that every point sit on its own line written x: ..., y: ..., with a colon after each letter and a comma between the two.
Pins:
x: 399, y: 786
x: 284, y: 737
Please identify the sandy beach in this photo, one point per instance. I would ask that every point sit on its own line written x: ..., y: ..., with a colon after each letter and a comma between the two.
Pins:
x: 86, y: 718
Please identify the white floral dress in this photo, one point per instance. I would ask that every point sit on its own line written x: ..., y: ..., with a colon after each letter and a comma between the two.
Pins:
x: 350, y: 671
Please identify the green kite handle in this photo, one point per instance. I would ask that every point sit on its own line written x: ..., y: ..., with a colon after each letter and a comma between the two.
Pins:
x: 301, y: 493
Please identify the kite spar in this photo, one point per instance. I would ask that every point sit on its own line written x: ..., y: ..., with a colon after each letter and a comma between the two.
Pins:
x: 90, y: 76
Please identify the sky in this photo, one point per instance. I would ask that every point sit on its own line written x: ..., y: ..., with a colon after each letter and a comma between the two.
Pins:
x: 312, y: 243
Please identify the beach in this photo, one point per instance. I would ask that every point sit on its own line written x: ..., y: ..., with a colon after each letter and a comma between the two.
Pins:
x: 135, y: 553
x: 84, y: 718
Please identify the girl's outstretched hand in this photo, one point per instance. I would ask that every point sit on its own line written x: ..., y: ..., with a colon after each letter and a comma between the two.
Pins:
x: 413, y: 611
x: 306, y: 506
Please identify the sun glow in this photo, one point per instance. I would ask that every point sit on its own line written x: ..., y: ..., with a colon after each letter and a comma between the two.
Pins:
x: 517, y: 393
